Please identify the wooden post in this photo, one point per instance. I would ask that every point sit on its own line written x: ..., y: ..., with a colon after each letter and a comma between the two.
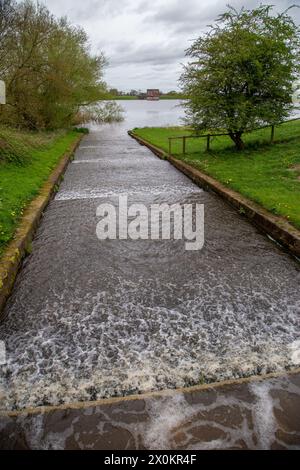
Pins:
x: 183, y: 145
x: 169, y: 146
x: 272, y: 133
x: 208, y: 143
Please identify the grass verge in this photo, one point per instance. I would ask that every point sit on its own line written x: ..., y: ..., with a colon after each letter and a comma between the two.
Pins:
x: 26, y: 161
x: 268, y: 174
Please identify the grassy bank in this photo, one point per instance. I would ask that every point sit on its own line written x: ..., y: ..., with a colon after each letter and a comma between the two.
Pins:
x: 26, y: 161
x: 265, y: 173
x: 176, y: 96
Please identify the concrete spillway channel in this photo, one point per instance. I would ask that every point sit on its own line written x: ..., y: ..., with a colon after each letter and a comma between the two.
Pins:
x: 238, y: 415
x: 92, y: 319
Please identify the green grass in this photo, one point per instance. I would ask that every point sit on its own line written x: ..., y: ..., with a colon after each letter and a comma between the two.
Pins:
x: 175, y: 96
x: 269, y: 174
x: 26, y: 161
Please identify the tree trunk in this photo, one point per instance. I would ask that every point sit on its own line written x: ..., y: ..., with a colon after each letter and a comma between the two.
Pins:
x: 237, y: 139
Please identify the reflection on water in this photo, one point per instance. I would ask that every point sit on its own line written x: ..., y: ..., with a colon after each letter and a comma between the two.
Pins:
x: 142, y: 113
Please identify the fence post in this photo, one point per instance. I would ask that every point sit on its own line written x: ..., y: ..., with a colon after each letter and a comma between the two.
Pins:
x: 272, y: 133
x: 169, y: 147
x: 183, y: 145
x: 208, y: 143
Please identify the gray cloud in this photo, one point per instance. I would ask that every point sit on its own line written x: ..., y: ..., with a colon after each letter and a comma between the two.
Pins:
x: 84, y: 11
x: 145, y: 41
x: 194, y: 16
x: 155, y: 54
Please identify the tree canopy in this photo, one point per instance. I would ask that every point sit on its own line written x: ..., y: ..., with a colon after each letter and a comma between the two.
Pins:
x: 242, y: 72
x: 47, y: 66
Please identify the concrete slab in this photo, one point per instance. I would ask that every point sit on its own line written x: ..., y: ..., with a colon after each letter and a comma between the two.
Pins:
x: 247, y: 414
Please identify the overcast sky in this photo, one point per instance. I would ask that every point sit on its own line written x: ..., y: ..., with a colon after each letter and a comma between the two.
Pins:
x: 145, y: 40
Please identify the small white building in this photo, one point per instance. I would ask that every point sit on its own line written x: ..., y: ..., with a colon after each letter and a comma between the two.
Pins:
x: 2, y: 92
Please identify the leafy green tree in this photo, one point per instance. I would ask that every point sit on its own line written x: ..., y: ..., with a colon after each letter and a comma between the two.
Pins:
x: 47, y: 65
x: 242, y: 72
x: 7, y: 9
x: 73, y: 78
x: 100, y: 113
x: 113, y: 91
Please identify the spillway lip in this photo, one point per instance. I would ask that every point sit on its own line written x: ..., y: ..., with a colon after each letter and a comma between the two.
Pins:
x: 83, y: 405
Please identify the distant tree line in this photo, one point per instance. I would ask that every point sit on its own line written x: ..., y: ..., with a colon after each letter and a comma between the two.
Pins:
x: 115, y: 92
x: 47, y: 65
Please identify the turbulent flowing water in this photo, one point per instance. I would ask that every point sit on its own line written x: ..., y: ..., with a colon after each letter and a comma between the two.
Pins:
x: 90, y: 319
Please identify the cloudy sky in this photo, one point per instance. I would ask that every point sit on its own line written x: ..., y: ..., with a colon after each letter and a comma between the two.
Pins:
x: 144, y: 40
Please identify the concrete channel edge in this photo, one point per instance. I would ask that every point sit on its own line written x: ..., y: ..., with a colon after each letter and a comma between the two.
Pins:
x: 274, y: 226
x: 19, y: 247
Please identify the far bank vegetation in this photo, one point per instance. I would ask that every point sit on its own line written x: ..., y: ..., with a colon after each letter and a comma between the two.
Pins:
x: 47, y: 65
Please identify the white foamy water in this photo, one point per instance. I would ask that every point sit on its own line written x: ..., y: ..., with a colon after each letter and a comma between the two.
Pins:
x: 154, y: 191
x: 237, y: 416
x: 112, y: 344
x: 295, y: 351
x: 91, y: 319
x: 263, y: 414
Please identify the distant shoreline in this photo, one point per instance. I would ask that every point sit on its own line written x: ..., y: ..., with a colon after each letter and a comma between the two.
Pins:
x: 129, y: 98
